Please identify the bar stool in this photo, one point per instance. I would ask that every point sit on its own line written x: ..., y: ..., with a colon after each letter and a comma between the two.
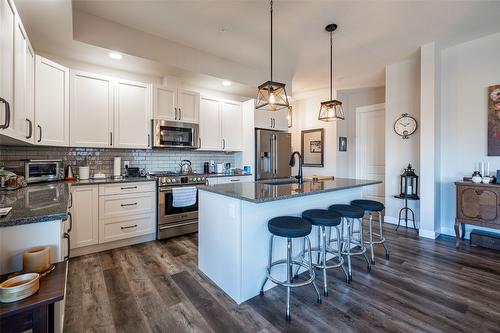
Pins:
x: 324, y: 219
x: 350, y: 214
x: 372, y: 206
x: 290, y: 227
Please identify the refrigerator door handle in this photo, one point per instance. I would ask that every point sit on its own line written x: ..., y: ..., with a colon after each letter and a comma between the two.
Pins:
x: 275, y: 153
x: 271, y: 157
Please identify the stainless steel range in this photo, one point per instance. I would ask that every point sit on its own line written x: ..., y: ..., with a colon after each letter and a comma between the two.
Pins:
x: 175, y: 221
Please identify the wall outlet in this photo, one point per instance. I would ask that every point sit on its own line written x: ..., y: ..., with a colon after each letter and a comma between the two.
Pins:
x: 126, y: 164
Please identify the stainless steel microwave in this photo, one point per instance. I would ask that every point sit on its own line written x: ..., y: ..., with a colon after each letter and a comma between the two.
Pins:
x: 172, y: 134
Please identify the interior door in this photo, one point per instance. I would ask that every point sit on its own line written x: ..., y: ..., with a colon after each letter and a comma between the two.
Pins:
x: 91, y: 110
x: 165, y: 103
x: 189, y: 106
x: 370, y: 149
x: 283, y: 149
x: 264, y: 151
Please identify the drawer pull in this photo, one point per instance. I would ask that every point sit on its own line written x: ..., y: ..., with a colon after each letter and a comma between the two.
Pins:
x: 129, y: 227
x: 235, y: 180
x: 129, y: 188
x: 130, y: 204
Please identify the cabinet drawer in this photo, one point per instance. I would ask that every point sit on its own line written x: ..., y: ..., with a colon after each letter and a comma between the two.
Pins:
x: 126, y: 227
x: 113, y: 206
x: 124, y: 188
x: 236, y: 179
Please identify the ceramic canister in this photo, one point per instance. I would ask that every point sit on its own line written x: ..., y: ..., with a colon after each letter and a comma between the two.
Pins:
x: 36, y: 260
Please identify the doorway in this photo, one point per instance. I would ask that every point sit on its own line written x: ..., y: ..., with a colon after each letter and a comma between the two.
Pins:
x: 370, y: 149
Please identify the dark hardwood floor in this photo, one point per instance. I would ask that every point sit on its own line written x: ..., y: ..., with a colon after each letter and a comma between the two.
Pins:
x: 426, y: 286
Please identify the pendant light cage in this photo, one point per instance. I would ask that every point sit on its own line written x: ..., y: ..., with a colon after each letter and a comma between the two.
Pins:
x: 272, y: 95
x: 331, y: 110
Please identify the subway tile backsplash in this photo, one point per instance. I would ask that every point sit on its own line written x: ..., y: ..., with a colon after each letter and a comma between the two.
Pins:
x: 101, y: 159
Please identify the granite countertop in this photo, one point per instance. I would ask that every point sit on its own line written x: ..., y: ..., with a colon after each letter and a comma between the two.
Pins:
x: 210, y: 175
x: 35, y: 203
x: 109, y: 180
x: 262, y: 191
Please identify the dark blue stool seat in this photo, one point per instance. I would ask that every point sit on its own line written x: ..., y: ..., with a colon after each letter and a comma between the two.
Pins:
x: 369, y: 205
x: 322, y: 217
x: 348, y: 211
x: 289, y: 226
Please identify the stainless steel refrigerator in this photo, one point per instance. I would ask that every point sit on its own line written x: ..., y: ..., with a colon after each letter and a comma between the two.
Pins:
x: 273, y: 150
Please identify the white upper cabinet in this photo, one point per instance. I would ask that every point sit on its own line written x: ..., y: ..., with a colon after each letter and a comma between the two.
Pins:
x: 7, y: 28
x: 30, y: 94
x: 165, y: 103
x: 273, y: 120
x: 176, y: 104
x: 132, y: 115
x: 232, y: 126
x: 91, y: 110
x: 221, y: 125
x: 51, y: 103
x: 189, y: 106
x: 210, y: 124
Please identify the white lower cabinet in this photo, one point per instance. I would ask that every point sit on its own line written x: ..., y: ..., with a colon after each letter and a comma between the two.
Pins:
x: 84, y: 216
x: 229, y: 179
x: 111, y: 212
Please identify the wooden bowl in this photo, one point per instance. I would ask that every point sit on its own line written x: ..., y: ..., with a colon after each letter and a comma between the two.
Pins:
x: 19, y: 287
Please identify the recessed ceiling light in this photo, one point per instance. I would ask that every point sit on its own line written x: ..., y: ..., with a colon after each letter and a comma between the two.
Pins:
x: 114, y: 55
x: 226, y: 83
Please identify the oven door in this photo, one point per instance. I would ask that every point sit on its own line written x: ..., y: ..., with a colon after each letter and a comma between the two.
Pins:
x: 174, y: 221
x: 170, y: 134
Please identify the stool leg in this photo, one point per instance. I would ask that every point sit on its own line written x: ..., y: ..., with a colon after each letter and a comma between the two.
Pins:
x: 339, y: 253
x: 319, y: 244
x: 311, y: 272
x: 303, y: 258
x: 323, y: 250
x: 348, y: 249
x: 371, y: 239
x: 362, y: 243
x: 381, y: 236
x: 288, y: 279
x: 268, y: 265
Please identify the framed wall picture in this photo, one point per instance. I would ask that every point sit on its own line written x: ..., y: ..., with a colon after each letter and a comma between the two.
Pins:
x: 313, y: 147
x: 494, y: 120
x: 342, y: 143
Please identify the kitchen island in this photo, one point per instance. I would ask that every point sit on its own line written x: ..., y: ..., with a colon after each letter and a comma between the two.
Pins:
x: 233, y: 239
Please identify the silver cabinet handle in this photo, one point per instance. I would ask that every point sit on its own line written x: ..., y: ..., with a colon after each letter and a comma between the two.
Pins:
x: 40, y: 131
x: 110, y: 138
x: 7, y: 114
x: 70, y: 200
x: 129, y: 227
x: 128, y: 188
x: 66, y: 235
x: 271, y: 122
x: 175, y: 116
x: 223, y: 143
x: 180, y: 113
x: 130, y: 204
x: 149, y: 140
x: 235, y: 180
x: 31, y: 129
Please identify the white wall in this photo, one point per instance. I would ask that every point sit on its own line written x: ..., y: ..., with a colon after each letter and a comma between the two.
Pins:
x: 402, y: 95
x: 351, y: 99
x: 467, y: 70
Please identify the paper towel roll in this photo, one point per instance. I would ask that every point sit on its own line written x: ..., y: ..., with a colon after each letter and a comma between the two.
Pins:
x: 117, y: 166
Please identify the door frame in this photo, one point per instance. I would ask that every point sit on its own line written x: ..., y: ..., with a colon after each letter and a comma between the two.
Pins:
x: 359, y: 151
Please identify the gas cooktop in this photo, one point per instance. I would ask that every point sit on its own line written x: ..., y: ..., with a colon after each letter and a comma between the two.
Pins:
x: 172, y: 178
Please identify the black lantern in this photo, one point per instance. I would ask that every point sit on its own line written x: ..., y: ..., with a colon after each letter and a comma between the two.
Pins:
x: 409, y: 183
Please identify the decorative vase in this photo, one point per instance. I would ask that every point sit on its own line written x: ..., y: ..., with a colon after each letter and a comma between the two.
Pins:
x: 476, y: 177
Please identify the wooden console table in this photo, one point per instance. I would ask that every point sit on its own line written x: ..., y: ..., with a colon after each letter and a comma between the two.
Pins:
x: 477, y: 204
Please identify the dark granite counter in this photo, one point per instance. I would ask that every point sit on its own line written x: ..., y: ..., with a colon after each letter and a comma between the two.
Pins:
x: 263, y: 191
x: 35, y: 203
x: 113, y: 181
x: 215, y: 175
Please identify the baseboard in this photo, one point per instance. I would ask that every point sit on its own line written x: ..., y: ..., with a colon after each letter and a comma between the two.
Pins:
x: 394, y: 220
x: 111, y: 245
x: 428, y: 233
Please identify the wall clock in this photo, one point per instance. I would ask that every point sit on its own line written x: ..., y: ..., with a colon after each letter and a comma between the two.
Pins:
x: 405, y: 126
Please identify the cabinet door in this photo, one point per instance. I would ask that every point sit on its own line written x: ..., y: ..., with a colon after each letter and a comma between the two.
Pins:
x: 30, y: 94
x: 232, y: 126
x: 91, y: 110
x: 132, y: 114
x: 165, y: 103
x: 189, y: 106
x: 51, y: 103
x: 85, y: 216
x: 478, y: 204
x: 210, y: 131
x: 280, y: 121
x: 7, y: 27
x: 263, y: 119
x: 18, y: 112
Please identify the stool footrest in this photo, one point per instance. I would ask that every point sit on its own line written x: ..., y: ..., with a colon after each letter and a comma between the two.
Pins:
x: 291, y: 284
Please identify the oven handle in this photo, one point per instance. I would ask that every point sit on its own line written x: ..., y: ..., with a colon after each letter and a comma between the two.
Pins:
x: 177, y: 225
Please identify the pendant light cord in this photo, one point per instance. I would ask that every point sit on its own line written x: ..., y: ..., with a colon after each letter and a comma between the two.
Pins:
x: 331, y: 66
x: 271, y: 40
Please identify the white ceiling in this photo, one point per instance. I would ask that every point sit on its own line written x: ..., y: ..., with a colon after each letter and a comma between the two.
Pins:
x: 371, y: 34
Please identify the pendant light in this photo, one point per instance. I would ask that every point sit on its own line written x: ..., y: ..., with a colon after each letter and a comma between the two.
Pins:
x: 272, y: 95
x: 331, y: 110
